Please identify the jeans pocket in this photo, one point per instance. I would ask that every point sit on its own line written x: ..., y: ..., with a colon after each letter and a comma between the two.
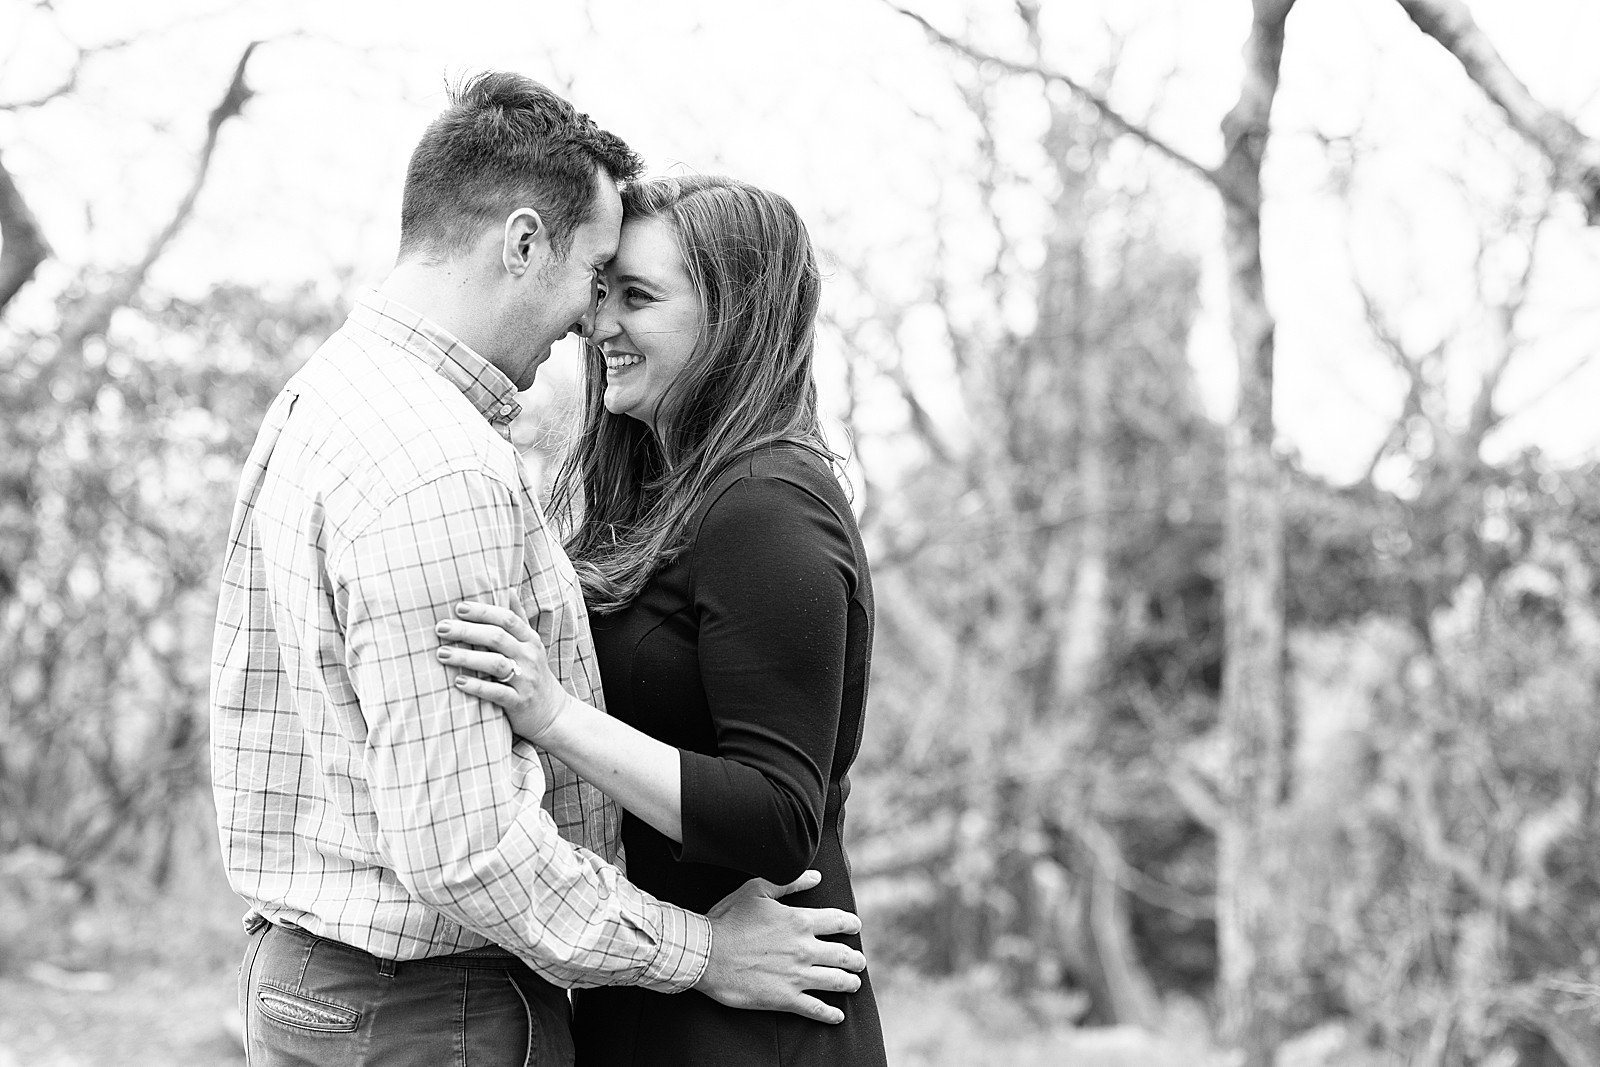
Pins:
x: 302, y: 1011
x: 549, y: 1022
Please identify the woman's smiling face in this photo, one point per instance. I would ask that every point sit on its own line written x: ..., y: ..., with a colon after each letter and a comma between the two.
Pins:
x: 649, y: 321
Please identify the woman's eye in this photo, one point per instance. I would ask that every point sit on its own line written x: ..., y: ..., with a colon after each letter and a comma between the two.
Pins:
x: 635, y: 294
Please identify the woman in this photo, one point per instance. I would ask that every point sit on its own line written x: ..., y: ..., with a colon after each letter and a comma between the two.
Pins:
x: 729, y: 599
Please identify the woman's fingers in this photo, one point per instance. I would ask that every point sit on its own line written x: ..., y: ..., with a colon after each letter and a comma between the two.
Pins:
x: 489, y: 636
x: 484, y: 635
x: 483, y: 689
x: 491, y: 664
x: 513, y: 619
x: 490, y: 647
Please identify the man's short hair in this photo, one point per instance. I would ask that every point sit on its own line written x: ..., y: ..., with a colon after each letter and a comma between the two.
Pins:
x: 505, y: 142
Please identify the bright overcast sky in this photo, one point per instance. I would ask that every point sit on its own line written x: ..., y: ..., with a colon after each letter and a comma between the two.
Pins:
x: 821, y: 100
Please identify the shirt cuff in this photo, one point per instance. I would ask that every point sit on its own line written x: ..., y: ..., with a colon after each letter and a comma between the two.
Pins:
x: 684, y: 953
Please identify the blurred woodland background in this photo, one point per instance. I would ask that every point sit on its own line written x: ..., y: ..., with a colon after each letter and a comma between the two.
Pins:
x: 1214, y: 378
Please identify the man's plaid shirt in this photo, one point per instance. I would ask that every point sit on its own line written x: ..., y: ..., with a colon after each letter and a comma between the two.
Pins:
x: 361, y: 795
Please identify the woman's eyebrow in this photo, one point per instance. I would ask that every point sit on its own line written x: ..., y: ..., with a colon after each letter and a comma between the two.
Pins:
x: 638, y: 278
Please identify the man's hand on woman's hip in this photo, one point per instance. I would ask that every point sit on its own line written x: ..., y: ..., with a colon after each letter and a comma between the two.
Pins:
x: 765, y: 954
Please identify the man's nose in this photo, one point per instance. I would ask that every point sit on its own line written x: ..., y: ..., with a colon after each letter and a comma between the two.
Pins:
x: 598, y: 326
x: 584, y: 327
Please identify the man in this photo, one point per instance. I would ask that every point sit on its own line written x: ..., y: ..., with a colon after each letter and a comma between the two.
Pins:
x: 411, y: 898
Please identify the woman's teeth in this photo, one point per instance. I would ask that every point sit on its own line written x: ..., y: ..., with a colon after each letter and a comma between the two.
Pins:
x: 619, y: 361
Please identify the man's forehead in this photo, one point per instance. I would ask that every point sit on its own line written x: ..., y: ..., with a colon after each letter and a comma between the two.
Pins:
x: 611, y: 198
x: 607, y: 219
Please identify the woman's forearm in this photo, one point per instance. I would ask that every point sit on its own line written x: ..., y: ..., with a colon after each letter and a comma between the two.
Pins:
x: 637, y: 771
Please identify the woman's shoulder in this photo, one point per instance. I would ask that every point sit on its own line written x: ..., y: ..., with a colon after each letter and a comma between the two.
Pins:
x: 781, y: 507
x: 791, y: 462
x: 778, y: 482
x: 773, y: 472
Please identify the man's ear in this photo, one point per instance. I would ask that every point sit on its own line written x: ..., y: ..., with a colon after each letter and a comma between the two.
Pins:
x: 527, y: 240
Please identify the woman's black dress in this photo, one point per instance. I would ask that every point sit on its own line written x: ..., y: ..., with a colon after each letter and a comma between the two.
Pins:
x: 749, y: 653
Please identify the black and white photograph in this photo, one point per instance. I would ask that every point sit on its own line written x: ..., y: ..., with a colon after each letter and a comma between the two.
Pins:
x: 722, y: 533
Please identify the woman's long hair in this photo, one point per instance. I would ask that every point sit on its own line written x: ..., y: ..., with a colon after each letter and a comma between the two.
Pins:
x: 626, y: 497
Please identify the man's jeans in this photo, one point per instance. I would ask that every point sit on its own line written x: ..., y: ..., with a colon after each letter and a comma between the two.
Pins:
x: 311, y: 1002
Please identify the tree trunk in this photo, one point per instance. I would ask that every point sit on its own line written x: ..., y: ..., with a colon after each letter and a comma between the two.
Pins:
x: 1254, y: 715
x: 1082, y: 648
x: 1129, y: 992
x: 1080, y: 571
x: 22, y: 243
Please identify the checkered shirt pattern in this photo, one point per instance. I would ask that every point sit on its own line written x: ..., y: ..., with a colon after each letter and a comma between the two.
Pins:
x: 360, y: 794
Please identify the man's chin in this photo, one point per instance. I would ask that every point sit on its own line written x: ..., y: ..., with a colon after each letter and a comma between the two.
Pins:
x: 525, y: 380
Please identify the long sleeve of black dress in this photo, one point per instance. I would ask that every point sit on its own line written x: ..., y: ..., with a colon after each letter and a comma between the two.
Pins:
x: 773, y: 577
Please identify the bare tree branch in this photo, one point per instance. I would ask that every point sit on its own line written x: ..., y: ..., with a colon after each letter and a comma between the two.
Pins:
x: 1401, y: 358
x: 70, y: 82
x: 1575, y: 156
x: 1555, y: 385
x: 1108, y: 854
x: 1194, y: 786
x: 1424, y: 369
x: 989, y: 176
x: 922, y: 422
x: 22, y: 244
x: 926, y: 428
x: 1111, y: 115
x: 94, y: 315
x: 1485, y: 414
x: 1435, y: 840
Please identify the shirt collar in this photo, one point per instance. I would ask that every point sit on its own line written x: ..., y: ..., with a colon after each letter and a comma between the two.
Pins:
x: 491, y: 392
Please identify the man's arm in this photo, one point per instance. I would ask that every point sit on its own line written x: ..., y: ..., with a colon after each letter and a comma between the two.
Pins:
x: 458, y: 813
